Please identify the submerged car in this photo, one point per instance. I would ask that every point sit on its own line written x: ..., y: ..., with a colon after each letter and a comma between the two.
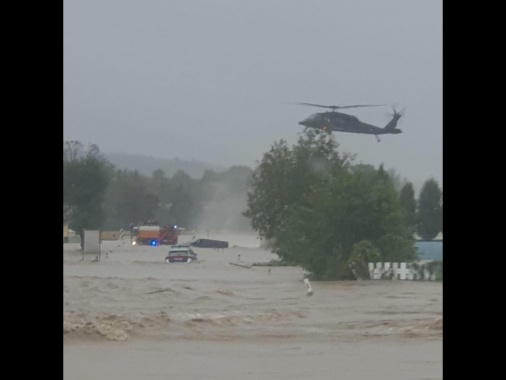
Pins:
x: 180, y: 254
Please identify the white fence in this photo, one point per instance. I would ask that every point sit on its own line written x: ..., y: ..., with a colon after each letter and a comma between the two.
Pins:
x: 404, y: 271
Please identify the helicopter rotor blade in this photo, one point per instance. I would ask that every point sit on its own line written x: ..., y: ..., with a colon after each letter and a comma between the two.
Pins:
x: 362, y: 105
x: 315, y: 105
x: 339, y: 107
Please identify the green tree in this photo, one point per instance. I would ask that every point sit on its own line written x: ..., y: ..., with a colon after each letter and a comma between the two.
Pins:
x: 355, y: 207
x: 408, y: 204
x: 397, y: 180
x: 284, y: 177
x: 161, y: 186
x: 430, y: 210
x: 85, y: 181
x: 128, y: 199
x: 269, y: 193
x: 362, y: 253
x: 181, y: 199
x: 321, y: 211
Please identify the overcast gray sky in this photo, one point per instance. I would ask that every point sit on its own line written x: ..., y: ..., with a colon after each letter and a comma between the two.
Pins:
x: 215, y: 81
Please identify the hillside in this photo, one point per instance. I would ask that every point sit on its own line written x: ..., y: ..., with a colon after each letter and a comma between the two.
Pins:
x: 147, y: 164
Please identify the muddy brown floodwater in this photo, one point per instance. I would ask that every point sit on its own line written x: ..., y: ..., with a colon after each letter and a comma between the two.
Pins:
x: 131, y: 316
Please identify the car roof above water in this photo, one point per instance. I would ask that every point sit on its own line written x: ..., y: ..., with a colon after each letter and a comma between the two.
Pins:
x: 180, y: 249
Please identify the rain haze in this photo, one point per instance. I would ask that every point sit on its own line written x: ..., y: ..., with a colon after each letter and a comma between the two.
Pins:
x: 219, y: 81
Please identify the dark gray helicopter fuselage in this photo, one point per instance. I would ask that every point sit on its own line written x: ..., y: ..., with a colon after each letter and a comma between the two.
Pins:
x: 341, y: 122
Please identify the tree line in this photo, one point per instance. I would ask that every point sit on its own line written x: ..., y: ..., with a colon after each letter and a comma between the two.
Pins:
x: 311, y: 202
x: 98, y: 195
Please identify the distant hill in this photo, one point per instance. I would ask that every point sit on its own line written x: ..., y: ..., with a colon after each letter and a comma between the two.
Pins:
x: 147, y: 164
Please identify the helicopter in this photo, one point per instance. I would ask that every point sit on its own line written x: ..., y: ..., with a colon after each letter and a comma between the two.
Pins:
x: 341, y: 122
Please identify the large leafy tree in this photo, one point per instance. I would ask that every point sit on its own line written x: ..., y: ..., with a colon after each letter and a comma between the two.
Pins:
x: 325, y: 214
x: 430, y: 210
x: 85, y: 180
x: 285, y: 176
x: 270, y: 194
x: 357, y: 212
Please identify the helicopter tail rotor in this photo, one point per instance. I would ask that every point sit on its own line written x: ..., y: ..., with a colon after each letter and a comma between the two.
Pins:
x: 391, y: 126
x: 396, y: 112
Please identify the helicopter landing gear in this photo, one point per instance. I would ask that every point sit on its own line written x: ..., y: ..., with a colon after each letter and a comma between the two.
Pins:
x: 377, y: 138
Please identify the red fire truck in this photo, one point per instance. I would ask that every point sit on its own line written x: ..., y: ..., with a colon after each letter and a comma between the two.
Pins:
x: 154, y: 234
